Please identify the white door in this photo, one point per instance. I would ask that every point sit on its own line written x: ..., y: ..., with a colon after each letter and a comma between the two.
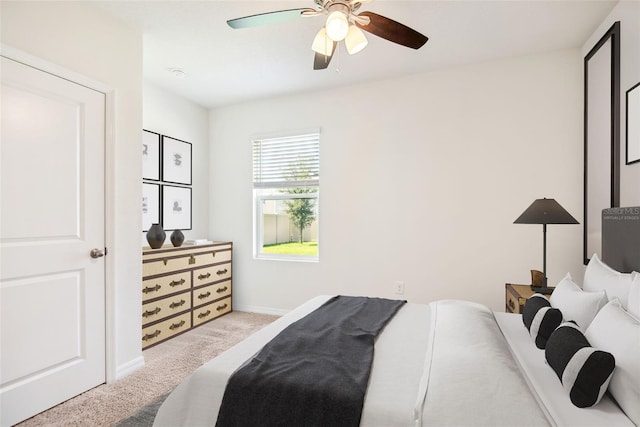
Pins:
x: 52, y: 292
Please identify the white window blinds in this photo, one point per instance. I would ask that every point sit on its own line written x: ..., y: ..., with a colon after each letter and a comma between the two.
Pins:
x: 290, y: 161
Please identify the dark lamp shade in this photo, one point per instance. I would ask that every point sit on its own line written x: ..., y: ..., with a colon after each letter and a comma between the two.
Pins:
x: 545, y: 211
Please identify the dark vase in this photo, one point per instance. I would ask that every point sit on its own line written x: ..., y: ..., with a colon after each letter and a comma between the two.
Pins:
x: 177, y: 238
x: 156, y: 236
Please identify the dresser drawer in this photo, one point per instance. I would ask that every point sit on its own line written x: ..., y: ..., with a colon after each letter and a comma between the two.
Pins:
x: 165, y: 285
x: 211, y: 311
x: 219, y: 254
x: 202, y: 276
x: 164, y: 261
x: 157, y: 310
x: 163, y: 330
x: 212, y: 292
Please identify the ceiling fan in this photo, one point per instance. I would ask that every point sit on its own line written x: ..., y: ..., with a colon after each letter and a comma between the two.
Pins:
x: 343, y: 23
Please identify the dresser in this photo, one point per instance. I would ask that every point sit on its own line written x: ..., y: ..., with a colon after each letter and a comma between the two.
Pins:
x: 183, y: 288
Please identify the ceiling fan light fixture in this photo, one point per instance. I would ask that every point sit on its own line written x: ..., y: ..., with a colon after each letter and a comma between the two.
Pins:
x: 355, y: 40
x: 337, y: 25
x: 322, y: 44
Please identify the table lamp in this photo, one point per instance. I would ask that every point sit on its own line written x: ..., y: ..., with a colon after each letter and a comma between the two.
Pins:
x: 545, y: 211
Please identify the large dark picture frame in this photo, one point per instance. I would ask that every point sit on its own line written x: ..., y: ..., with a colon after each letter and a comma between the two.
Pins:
x: 632, y: 101
x: 601, y: 136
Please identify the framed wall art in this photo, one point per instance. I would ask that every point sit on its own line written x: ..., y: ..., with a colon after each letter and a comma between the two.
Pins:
x: 150, y: 205
x: 176, y: 207
x: 150, y: 155
x: 176, y: 161
x: 633, y: 124
x: 601, y: 136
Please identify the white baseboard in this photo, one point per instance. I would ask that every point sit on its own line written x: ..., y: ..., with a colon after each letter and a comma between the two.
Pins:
x: 129, y: 367
x: 260, y: 310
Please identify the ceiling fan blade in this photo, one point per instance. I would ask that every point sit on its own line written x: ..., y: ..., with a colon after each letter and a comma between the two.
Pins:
x: 268, y: 18
x: 392, y: 30
x: 320, y: 61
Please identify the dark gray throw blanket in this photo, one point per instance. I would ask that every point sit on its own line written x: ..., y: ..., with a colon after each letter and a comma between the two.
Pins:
x: 314, y: 373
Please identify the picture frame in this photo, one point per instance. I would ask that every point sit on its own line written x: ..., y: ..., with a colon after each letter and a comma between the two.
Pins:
x: 150, y: 205
x: 151, y: 156
x: 176, y: 161
x: 632, y: 100
x: 601, y: 136
x: 176, y: 207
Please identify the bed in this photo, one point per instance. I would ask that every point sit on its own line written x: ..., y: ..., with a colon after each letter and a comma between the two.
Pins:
x: 458, y: 363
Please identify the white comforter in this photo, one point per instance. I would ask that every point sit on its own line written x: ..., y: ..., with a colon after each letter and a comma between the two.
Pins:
x: 445, y: 363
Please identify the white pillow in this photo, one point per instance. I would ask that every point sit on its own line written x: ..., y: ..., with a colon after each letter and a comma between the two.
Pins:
x: 615, y: 331
x: 576, y: 304
x: 634, y: 296
x: 599, y: 275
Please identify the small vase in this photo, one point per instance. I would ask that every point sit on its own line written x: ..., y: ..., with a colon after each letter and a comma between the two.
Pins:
x: 156, y: 236
x: 177, y: 238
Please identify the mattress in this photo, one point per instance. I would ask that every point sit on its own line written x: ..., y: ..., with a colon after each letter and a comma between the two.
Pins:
x: 445, y: 363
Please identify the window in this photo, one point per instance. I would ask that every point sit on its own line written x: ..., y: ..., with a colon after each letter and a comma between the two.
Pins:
x: 286, y: 187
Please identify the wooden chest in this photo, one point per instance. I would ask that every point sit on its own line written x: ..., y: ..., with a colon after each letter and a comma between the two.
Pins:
x: 516, y: 296
x: 184, y: 287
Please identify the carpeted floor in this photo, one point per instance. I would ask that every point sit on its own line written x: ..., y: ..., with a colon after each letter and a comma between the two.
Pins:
x: 166, y: 365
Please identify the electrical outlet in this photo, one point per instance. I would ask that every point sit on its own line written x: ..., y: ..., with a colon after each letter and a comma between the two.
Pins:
x: 399, y: 287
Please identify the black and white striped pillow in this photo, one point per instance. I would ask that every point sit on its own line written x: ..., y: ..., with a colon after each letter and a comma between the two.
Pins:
x: 540, y: 319
x: 583, y: 371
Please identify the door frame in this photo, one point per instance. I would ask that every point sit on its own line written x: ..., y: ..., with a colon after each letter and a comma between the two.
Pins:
x: 109, y: 180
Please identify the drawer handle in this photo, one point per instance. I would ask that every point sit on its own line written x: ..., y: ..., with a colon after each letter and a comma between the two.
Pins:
x: 177, y: 304
x: 177, y: 325
x: 204, y: 276
x: 177, y: 282
x: 221, y: 290
x: 147, y: 337
x: 204, y: 314
x: 221, y: 272
x: 213, y: 254
x: 151, y: 312
x: 203, y: 296
x: 148, y: 289
x: 192, y: 260
x: 222, y: 307
x: 165, y: 261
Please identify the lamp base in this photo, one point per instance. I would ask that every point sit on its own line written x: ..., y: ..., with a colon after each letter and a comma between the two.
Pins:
x: 542, y: 290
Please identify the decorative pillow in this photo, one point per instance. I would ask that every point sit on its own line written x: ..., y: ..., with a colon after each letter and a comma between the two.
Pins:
x: 599, y: 276
x: 634, y: 297
x: 540, y: 318
x: 576, y: 304
x: 616, y: 331
x: 584, y: 372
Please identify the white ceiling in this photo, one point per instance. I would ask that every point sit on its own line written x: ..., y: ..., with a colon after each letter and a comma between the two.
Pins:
x: 225, y: 66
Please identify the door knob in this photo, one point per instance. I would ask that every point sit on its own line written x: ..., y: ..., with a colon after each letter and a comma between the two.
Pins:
x: 97, y: 253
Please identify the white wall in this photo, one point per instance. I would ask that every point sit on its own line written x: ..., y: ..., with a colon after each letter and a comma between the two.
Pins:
x: 457, y: 154
x: 628, y: 13
x: 85, y: 40
x: 168, y: 114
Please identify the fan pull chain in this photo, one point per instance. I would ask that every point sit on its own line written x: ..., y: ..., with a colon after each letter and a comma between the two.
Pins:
x: 337, y: 58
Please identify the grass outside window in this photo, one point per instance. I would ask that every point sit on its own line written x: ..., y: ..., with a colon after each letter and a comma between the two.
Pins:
x: 292, y: 248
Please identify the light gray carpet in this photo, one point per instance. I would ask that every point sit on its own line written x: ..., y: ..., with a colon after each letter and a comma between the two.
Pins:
x: 166, y: 365
x: 144, y: 416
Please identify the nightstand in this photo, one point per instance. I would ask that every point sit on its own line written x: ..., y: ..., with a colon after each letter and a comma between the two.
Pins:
x: 516, y: 296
